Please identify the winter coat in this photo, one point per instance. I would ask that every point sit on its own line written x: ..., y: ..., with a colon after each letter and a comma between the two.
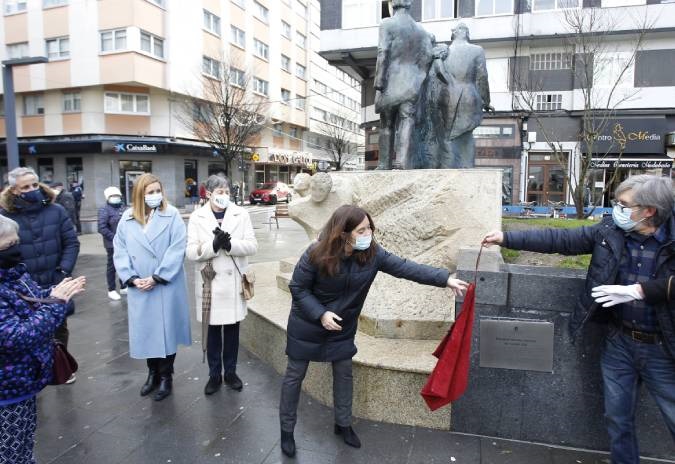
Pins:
x: 26, y: 336
x: 159, y: 319
x: 48, y: 241
x: 66, y: 200
x: 227, y: 304
x: 108, y: 218
x: 344, y: 294
x: 606, y: 243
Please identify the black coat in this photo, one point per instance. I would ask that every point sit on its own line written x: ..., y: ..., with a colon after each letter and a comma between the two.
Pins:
x: 108, y: 218
x: 344, y: 294
x: 606, y: 243
x: 66, y: 200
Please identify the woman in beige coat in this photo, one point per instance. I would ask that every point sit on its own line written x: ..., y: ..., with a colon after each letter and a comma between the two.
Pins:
x: 221, y: 232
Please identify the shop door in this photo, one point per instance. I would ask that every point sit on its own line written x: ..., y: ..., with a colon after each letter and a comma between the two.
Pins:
x: 129, y: 179
x: 545, y: 183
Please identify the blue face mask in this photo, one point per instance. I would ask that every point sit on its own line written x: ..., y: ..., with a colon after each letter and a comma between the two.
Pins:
x: 621, y: 217
x: 34, y: 196
x: 362, y: 243
x: 153, y: 200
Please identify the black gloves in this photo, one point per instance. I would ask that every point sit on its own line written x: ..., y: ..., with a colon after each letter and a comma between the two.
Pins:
x: 221, y: 239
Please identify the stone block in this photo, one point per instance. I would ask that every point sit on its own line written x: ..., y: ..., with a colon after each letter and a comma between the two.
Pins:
x: 287, y: 265
x: 533, y: 287
x: 283, y: 280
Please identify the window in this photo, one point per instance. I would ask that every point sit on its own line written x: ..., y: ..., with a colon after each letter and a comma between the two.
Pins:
x: 437, y: 9
x: 300, y: 102
x: 157, y: 2
x: 210, y: 67
x: 318, y: 113
x: 360, y: 13
x: 608, y: 71
x: 543, y: 5
x: 549, y: 102
x: 300, y: 71
x: 240, y: 3
x: 71, y: 102
x: 550, y: 61
x: 494, y: 7
x: 260, y: 86
x: 285, y: 29
x: 58, y: 48
x: 131, y: 103
x: 261, y: 12
x: 33, y: 105
x: 17, y: 50
x: 300, y: 39
x: 300, y: 8
x: 152, y: 44
x: 285, y: 96
x: 15, y: 6
x: 113, y: 40
x: 285, y: 63
x: 261, y: 49
x: 211, y: 22
x: 48, y: 3
x: 237, y: 77
x: 238, y: 37
x: 320, y: 87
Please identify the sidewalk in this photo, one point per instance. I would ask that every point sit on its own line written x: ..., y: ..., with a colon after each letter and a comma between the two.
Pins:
x: 101, y: 419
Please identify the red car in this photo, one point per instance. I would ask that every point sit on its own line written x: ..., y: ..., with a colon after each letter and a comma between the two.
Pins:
x: 270, y: 192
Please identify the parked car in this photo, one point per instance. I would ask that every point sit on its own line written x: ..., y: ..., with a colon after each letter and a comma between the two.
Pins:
x: 271, y: 192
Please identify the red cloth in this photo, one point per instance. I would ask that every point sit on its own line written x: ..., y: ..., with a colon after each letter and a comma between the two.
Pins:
x: 450, y: 377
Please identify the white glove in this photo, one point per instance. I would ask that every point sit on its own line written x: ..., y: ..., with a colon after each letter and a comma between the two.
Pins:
x: 610, y: 295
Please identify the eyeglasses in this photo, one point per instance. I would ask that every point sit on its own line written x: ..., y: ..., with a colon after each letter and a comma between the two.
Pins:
x: 625, y: 208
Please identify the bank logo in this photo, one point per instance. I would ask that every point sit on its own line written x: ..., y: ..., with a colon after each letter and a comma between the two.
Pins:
x: 119, y: 148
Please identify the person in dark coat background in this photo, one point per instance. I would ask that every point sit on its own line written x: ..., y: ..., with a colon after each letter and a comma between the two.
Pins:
x: 66, y: 200
x: 633, y: 253
x: 49, y: 244
x: 108, y: 218
x: 329, y: 286
x: 78, y: 195
x: 26, y: 346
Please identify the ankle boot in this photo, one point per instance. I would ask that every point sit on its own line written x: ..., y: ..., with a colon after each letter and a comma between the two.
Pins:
x: 164, y: 390
x: 287, y: 444
x: 348, y: 435
x: 151, y: 383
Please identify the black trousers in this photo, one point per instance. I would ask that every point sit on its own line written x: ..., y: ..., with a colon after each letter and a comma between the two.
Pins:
x: 222, y: 349
x: 62, y: 333
x: 163, y: 366
x: 110, y: 271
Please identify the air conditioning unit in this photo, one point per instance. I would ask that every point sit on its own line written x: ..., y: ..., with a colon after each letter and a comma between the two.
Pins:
x: 670, y: 139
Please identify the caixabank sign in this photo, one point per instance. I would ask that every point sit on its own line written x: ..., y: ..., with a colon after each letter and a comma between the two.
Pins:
x: 628, y: 135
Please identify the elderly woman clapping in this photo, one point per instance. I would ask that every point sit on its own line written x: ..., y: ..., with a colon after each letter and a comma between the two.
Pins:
x: 220, y: 234
x: 26, y: 344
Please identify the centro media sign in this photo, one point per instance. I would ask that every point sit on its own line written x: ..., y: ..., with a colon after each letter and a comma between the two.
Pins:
x: 644, y: 135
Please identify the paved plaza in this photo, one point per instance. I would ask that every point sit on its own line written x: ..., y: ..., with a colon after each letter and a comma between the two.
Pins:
x: 101, y: 419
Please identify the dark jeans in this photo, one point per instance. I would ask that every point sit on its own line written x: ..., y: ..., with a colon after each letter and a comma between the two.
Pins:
x: 110, y: 271
x: 78, y: 224
x: 62, y: 333
x: 222, y: 349
x: 292, y: 383
x: 163, y: 366
x: 624, y: 363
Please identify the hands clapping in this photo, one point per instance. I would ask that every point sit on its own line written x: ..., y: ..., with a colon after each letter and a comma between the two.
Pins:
x: 221, y: 239
x: 68, y: 288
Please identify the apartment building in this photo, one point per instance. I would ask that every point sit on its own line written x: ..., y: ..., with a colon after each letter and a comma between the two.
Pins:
x: 111, y: 102
x: 529, y: 41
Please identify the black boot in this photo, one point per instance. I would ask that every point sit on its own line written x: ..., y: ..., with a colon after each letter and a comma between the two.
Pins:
x: 348, y: 435
x: 164, y: 390
x: 233, y: 381
x: 213, y: 385
x: 151, y: 383
x: 287, y: 444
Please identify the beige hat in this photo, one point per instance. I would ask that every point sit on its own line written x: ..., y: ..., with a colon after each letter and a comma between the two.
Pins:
x: 110, y: 191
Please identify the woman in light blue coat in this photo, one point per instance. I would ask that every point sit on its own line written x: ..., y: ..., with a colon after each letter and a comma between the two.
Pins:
x: 149, y: 253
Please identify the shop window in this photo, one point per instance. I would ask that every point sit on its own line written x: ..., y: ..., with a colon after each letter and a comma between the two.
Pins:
x: 74, y: 170
x: 46, y: 170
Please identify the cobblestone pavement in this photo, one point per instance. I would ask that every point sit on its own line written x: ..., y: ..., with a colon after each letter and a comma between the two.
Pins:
x: 101, y: 419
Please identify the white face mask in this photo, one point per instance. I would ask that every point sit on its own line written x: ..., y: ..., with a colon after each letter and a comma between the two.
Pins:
x: 221, y: 201
x: 363, y: 242
x: 153, y: 200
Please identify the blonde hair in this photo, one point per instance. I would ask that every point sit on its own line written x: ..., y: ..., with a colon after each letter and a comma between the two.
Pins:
x: 139, y: 209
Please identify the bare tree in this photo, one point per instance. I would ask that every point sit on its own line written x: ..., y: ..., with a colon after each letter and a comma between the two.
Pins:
x: 229, y: 113
x: 601, y: 68
x: 337, y: 140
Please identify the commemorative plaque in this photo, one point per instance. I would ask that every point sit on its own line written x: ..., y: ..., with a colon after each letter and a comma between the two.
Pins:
x: 516, y: 344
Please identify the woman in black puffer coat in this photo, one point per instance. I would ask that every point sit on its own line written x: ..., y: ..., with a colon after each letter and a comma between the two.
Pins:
x: 329, y: 286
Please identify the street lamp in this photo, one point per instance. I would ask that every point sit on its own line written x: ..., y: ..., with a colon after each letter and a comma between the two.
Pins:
x: 10, y: 104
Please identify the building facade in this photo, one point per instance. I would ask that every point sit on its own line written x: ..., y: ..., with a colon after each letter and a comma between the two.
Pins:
x: 533, y: 60
x: 111, y: 102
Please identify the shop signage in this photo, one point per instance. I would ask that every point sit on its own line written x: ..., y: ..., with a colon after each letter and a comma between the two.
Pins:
x: 644, y: 135
x: 135, y: 148
x: 635, y: 164
x: 290, y: 158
